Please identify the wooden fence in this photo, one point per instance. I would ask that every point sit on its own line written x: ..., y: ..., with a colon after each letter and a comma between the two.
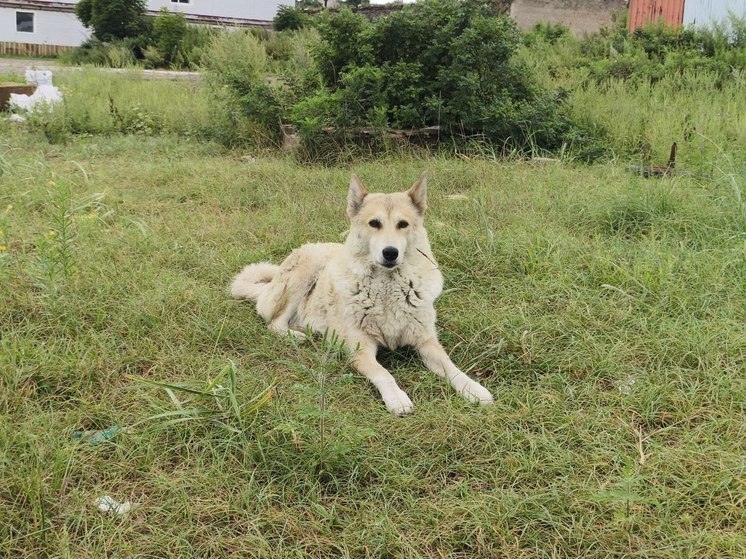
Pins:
x: 28, y: 49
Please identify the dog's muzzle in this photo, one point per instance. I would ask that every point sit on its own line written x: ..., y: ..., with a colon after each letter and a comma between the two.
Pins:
x: 390, y: 254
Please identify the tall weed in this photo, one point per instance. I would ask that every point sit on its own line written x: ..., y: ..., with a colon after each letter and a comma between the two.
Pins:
x: 247, y: 107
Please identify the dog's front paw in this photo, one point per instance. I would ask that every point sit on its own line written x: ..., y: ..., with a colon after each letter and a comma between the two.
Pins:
x: 398, y: 403
x: 300, y: 336
x: 475, y: 392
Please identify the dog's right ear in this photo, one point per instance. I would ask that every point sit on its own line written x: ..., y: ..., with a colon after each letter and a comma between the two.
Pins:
x: 418, y: 193
x: 355, y: 196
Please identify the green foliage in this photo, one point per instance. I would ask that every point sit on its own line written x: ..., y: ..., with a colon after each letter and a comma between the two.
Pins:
x: 547, y: 32
x: 213, y: 402
x: 120, y: 53
x: 193, y: 45
x: 112, y: 19
x: 163, y: 41
x: 654, y: 51
x: 169, y: 31
x: 289, y: 18
x: 342, y: 45
x: 437, y: 62
x: 235, y: 64
x: 101, y: 103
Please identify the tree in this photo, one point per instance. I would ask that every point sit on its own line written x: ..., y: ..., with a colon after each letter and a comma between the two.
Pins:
x: 290, y: 18
x: 112, y: 19
x: 169, y: 30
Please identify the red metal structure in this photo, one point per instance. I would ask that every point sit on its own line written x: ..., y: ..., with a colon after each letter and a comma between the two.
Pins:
x: 651, y: 11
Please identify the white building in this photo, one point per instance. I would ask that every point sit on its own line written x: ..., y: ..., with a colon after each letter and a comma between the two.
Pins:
x: 54, y: 24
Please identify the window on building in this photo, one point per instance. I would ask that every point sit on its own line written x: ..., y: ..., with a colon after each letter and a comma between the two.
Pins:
x: 181, y: 1
x: 25, y: 22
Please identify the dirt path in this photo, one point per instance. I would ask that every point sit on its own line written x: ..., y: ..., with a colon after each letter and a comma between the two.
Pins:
x: 19, y: 65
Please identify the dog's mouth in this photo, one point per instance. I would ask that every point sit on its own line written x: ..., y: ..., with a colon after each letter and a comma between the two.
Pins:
x: 388, y: 264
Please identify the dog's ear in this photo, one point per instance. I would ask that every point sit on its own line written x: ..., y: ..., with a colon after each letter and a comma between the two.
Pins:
x: 418, y: 193
x: 355, y: 196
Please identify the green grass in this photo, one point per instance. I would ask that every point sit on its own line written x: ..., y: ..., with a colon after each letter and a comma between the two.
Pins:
x: 604, y: 311
x: 4, y: 77
x: 703, y: 114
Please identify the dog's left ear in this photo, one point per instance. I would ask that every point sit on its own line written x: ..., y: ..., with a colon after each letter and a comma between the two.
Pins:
x: 418, y: 193
x: 355, y: 196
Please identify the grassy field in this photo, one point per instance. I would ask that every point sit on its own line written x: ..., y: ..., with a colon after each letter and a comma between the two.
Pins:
x: 604, y: 311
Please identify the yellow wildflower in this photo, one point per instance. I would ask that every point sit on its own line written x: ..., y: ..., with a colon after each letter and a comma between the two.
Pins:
x: 3, y: 248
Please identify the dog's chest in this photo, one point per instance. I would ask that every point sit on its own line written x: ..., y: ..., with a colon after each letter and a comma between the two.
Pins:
x: 392, y: 311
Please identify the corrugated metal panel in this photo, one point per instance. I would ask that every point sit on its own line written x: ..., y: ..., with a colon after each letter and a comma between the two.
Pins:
x: 706, y: 12
x: 650, y: 11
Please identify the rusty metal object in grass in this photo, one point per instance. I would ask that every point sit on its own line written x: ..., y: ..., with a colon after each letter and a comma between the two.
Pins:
x: 6, y: 88
x: 648, y: 170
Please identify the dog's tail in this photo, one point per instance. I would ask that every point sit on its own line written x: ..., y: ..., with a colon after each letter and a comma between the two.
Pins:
x: 253, y: 280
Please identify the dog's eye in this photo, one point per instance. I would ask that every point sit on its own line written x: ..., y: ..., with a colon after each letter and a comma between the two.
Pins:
x: 375, y: 224
x: 402, y: 224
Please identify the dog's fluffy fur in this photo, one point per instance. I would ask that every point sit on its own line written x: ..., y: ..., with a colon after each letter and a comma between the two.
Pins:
x: 375, y: 290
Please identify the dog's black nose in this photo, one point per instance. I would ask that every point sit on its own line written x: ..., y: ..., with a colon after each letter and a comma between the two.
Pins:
x: 390, y: 254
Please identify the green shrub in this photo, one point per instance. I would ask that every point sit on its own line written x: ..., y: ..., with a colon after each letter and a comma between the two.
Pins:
x: 91, y: 52
x: 290, y: 18
x: 654, y: 51
x: 169, y: 31
x: 343, y: 44
x: 437, y: 62
x: 194, y: 43
x: 248, y: 107
x: 112, y: 19
x: 547, y: 32
x: 116, y: 54
x: 163, y: 41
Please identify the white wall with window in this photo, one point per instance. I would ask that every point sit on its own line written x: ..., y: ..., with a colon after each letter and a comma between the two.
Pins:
x: 24, y: 24
x: 41, y: 27
x: 245, y: 9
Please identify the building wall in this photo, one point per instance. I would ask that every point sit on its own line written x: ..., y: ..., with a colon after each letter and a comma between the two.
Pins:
x: 708, y: 12
x: 64, y: 29
x: 581, y: 16
x: 50, y: 28
x: 246, y: 9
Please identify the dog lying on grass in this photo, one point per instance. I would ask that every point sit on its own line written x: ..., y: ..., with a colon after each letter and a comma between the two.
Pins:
x: 377, y: 289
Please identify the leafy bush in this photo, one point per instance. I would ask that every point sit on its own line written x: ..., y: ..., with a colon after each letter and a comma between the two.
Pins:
x: 343, y: 43
x: 169, y: 30
x: 163, y: 41
x: 654, y: 51
x: 437, y: 62
x: 248, y: 107
x: 547, y: 32
x: 289, y: 18
x: 116, y: 54
x: 112, y: 19
x: 91, y: 52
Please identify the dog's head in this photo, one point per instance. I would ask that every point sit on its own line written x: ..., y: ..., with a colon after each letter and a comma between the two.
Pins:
x: 384, y: 225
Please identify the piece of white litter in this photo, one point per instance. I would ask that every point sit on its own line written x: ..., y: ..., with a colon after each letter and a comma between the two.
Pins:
x: 45, y: 95
x: 107, y: 504
x: 625, y: 386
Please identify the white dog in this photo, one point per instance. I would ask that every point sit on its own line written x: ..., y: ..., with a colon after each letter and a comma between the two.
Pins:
x: 375, y: 290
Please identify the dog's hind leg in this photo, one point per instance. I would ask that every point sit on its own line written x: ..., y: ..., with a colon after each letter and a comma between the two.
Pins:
x: 364, y: 361
x: 437, y: 360
x: 281, y: 325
